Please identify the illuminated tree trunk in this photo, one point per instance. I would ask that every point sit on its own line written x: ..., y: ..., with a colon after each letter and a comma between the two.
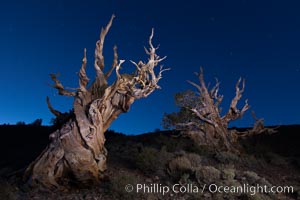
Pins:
x: 76, y: 153
x: 205, y: 124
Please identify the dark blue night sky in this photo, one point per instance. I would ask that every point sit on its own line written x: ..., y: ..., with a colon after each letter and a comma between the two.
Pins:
x: 258, y: 40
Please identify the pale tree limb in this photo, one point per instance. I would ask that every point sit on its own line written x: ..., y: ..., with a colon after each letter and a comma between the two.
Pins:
x: 53, y: 111
x: 202, y: 82
x: 203, y: 118
x: 99, y: 58
x: 233, y: 112
x: 118, y: 67
x: 145, y: 72
x: 60, y: 87
x: 245, y: 108
x: 83, y: 79
x: 161, y: 70
x: 258, y: 128
x: 195, y: 85
x: 114, y: 64
x: 259, y: 125
x: 209, y: 100
x: 214, y: 91
x: 101, y: 83
x: 137, y: 65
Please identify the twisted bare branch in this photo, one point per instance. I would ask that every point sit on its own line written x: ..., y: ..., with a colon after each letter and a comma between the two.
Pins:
x: 53, y: 111
x: 99, y: 58
x: 233, y: 112
x: 58, y: 85
x: 145, y: 75
x: 83, y: 79
x: 114, y: 64
x: 118, y: 67
x: 203, y: 117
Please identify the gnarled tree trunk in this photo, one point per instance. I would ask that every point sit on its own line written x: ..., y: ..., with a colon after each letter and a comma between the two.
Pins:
x: 206, y: 125
x: 76, y: 152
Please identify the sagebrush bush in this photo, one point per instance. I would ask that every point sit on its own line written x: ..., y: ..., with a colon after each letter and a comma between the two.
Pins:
x: 253, y: 178
x: 207, y: 175
x: 179, y: 167
x: 228, y: 174
x: 226, y: 157
x: 117, y: 186
x: 194, y: 159
x: 153, y: 161
x: 147, y: 159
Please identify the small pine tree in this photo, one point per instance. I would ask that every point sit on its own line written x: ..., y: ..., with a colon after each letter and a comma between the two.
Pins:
x: 37, y: 122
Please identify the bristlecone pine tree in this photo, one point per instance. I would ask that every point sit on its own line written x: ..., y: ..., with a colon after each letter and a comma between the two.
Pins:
x: 200, y: 116
x: 76, y: 152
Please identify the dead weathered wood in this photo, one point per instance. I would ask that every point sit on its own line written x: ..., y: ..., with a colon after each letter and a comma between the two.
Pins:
x: 76, y: 152
x: 207, y: 125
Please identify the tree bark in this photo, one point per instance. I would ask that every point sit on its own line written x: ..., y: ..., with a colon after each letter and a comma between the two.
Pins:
x: 206, y: 125
x: 76, y: 153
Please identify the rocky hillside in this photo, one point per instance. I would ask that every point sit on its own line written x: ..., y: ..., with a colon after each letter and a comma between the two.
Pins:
x: 163, y: 165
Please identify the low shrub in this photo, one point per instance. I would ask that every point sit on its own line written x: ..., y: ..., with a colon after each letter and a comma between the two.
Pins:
x: 226, y: 157
x: 179, y: 167
x: 207, y: 175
